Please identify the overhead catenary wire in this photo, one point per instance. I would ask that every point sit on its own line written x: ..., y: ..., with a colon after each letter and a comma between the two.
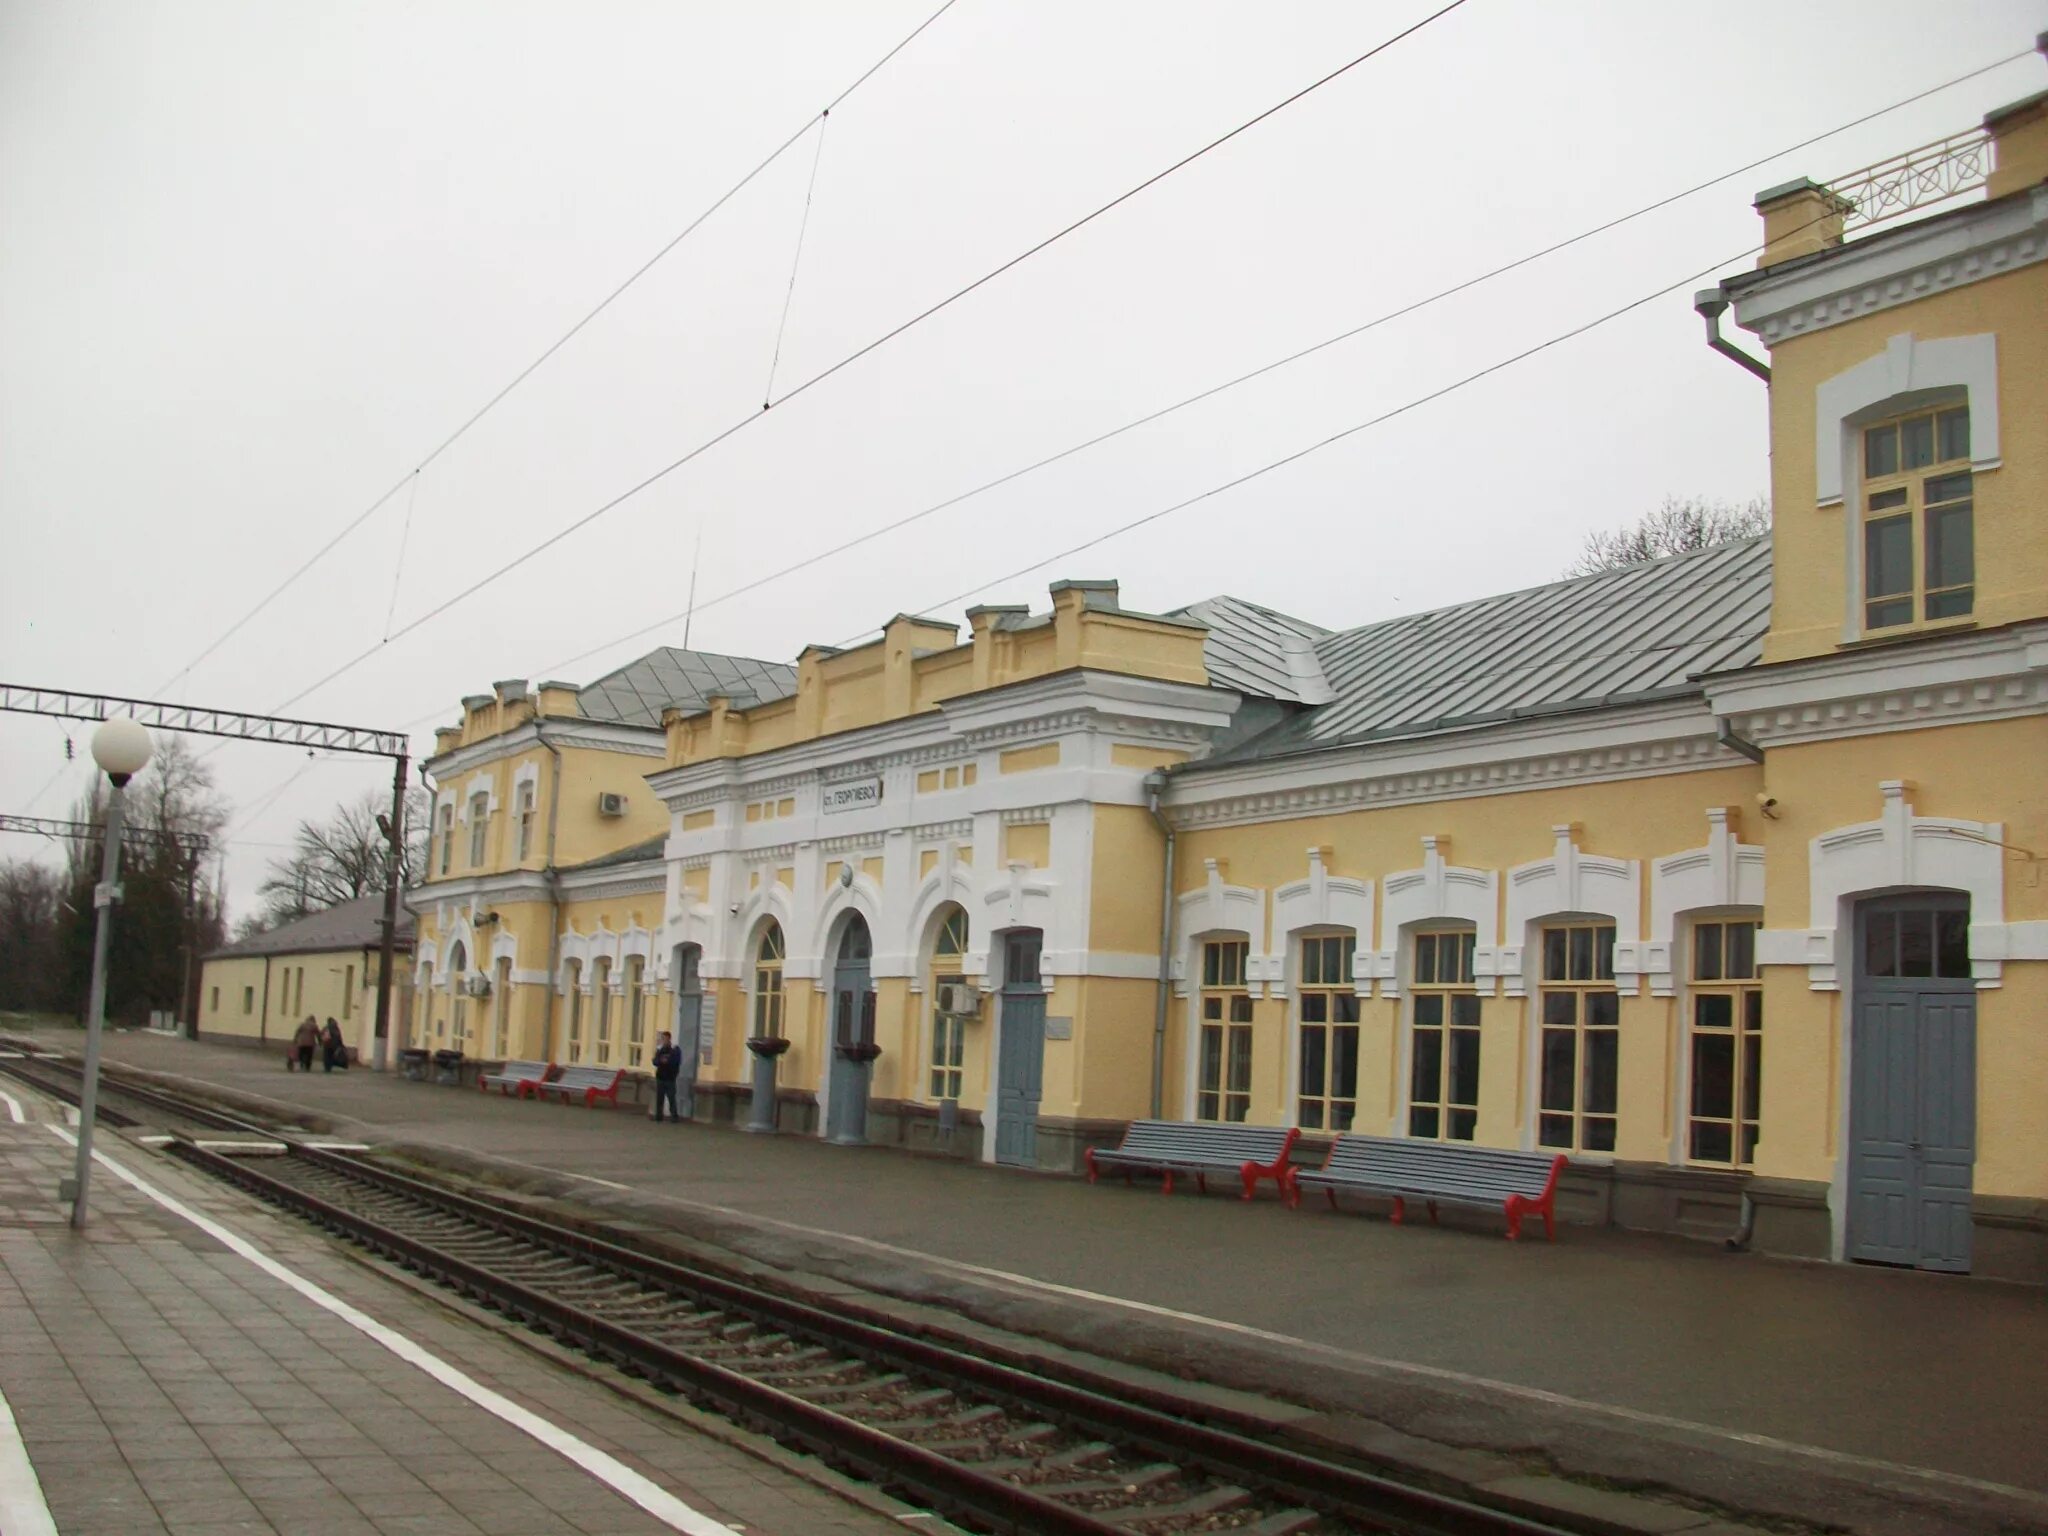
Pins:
x: 795, y: 261
x: 577, y: 524
x: 686, y: 614
x: 412, y: 496
x: 548, y: 352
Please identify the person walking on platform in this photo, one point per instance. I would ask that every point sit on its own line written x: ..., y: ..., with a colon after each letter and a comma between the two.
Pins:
x: 306, y: 1040
x: 333, y: 1050
x: 668, y: 1061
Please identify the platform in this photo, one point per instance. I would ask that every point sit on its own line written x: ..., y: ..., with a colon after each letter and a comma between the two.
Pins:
x: 1766, y: 1385
x: 201, y: 1368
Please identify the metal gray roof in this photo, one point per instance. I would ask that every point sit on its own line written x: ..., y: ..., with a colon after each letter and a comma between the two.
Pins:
x: 1630, y: 634
x: 638, y: 692
x: 1246, y: 646
x: 634, y: 853
x: 352, y: 925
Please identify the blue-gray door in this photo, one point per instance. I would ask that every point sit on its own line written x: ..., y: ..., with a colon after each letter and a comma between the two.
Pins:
x: 1020, y: 1057
x: 853, y: 1028
x: 689, y: 1026
x: 1913, y: 1084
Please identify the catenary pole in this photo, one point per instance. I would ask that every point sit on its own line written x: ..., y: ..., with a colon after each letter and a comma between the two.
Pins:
x: 104, y: 897
x: 387, y: 942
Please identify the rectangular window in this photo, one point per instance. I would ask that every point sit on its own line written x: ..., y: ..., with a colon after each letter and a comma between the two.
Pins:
x: 525, y: 814
x: 213, y: 1004
x: 1443, y: 1075
x: 1580, y: 1039
x: 348, y: 991
x: 447, y: 838
x: 601, y: 1003
x: 636, y: 1007
x: 1727, y: 1044
x: 949, y: 1045
x: 1224, y: 1089
x: 248, y: 1000
x: 479, y: 828
x: 1327, y: 1008
x: 1919, y: 546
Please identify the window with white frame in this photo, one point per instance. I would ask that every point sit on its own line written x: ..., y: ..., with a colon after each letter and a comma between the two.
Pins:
x: 572, y: 1004
x: 1326, y: 1008
x: 1725, y: 1058
x: 1443, y: 1072
x: 458, y: 962
x: 601, y: 1005
x: 1224, y: 1084
x: 1919, y: 558
x: 768, y: 957
x: 447, y: 838
x: 501, y: 1009
x: 636, y: 1007
x: 1580, y: 1039
x: 522, y: 807
x: 479, y: 828
x: 949, y: 1031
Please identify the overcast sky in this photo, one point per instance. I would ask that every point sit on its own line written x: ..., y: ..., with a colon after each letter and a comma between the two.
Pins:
x: 257, y: 259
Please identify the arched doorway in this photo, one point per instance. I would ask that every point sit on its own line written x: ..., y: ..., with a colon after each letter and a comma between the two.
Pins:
x: 853, y: 1036
x: 689, y: 1030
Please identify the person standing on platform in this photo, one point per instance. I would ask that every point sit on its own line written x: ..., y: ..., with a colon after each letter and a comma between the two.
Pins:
x: 668, y: 1061
x: 333, y: 1049
x: 306, y: 1040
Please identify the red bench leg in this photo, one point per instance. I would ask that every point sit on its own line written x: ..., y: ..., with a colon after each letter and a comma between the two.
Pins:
x: 1515, y: 1208
x: 1248, y: 1175
x: 1166, y: 1188
x: 1432, y: 1213
x: 1331, y: 1196
x: 1400, y: 1211
x: 1202, y: 1183
x: 1089, y: 1157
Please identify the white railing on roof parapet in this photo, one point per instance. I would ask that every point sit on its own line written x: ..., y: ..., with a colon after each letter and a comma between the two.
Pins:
x: 1932, y: 173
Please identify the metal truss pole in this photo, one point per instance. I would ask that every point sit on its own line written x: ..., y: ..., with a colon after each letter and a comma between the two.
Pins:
x: 387, y: 942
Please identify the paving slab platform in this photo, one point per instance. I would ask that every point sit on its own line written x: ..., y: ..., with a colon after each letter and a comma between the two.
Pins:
x: 160, y: 1381
x: 1852, y: 1398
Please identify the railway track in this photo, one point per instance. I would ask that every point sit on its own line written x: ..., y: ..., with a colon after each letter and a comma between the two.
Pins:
x: 993, y: 1439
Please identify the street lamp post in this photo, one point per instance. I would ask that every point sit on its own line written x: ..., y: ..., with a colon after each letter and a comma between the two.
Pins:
x: 120, y: 747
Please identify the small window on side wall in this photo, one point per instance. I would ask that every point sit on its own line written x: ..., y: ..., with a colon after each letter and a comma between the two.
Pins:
x: 1919, y: 542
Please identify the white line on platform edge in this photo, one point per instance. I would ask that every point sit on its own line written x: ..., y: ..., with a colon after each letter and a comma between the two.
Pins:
x: 23, y: 1510
x: 13, y: 1113
x: 622, y: 1479
x: 1356, y: 1357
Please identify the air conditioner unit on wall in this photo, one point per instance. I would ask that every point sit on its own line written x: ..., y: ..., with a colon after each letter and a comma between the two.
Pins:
x: 477, y: 986
x: 959, y: 999
x: 609, y: 804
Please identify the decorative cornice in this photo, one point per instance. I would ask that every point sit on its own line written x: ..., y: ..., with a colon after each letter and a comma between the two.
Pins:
x: 1882, y: 272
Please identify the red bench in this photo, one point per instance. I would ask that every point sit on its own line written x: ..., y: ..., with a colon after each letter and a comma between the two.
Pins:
x: 1200, y: 1147
x: 587, y: 1083
x: 520, y: 1077
x: 1448, y: 1172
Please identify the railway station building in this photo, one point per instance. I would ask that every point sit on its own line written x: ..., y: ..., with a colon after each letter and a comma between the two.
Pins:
x: 1722, y: 875
x: 256, y: 991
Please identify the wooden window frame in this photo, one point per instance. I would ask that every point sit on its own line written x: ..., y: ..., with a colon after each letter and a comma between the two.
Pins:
x: 636, y: 1008
x: 1580, y: 990
x: 479, y: 829
x: 601, y: 1006
x: 1440, y: 985
x: 1903, y: 492
x: 1732, y: 986
x: 1326, y: 1011
x: 1223, y: 1080
x: 447, y: 830
x: 523, y: 808
x: 768, y: 994
x: 945, y: 1065
x: 573, y: 1036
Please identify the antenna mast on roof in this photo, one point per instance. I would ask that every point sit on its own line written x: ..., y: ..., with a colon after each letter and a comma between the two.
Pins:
x: 696, y: 559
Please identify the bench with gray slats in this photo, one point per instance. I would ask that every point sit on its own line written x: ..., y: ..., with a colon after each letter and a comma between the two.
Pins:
x: 520, y: 1077
x: 1199, y: 1147
x: 587, y: 1083
x: 1438, y: 1172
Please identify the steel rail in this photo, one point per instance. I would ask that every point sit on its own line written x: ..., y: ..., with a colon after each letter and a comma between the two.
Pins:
x: 120, y: 1087
x: 1161, y: 1425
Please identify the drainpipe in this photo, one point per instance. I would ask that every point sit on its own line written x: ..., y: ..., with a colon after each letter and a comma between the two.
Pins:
x: 1724, y: 733
x: 1710, y: 304
x: 1738, y: 1241
x: 554, y: 880
x: 1155, y: 785
x: 263, y: 1018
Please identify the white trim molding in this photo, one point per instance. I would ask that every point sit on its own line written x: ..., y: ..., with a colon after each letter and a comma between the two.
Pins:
x: 480, y: 783
x: 1725, y: 873
x: 1323, y: 900
x: 1441, y: 891
x: 1901, y: 851
x: 1906, y: 373
x: 1217, y: 907
x: 1573, y: 882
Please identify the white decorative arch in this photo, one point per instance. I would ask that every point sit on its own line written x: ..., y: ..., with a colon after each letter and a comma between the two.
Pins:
x: 1215, y: 907
x: 1441, y: 891
x: 861, y: 895
x: 504, y: 946
x: 947, y: 885
x: 1897, y: 851
x: 1323, y: 900
x: 1725, y: 873
x: 484, y: 783
x: 1900, y: 376
x: 1575, y: 882
x: 769, y: 899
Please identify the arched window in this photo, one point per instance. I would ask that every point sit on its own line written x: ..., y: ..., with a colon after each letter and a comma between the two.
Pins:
x: 949, y: 950
x: 636, y: 1007
x: 768, y: 957
x: 458, y: 980
x: 479, y: 827
x: 523, y: 809
x: 573, y: 980
x: 601, y: 1002
x: 447, y: 837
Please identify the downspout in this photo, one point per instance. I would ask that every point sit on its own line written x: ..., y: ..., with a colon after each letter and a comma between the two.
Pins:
x: 1710, y: 304
x: 263, y: 1018
x: 1155, y: 785
x: 554, y: 880
x: 1724, y: 733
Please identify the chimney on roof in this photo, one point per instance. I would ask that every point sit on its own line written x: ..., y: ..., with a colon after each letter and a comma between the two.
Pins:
x: 1800, y: 217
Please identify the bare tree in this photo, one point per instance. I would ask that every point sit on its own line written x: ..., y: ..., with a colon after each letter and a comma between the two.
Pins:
x: 31, y: 907
x: 339, y: 858
x: 1677, y: 527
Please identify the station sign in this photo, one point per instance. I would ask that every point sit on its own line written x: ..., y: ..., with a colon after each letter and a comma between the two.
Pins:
x: 853, y: 795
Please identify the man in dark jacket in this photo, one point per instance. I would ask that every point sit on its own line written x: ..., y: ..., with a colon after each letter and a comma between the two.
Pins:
x: 306, y: 1040
x: 668, y: 1062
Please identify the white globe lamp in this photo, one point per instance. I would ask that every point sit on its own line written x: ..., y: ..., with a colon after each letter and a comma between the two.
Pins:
x: 121, y: 748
